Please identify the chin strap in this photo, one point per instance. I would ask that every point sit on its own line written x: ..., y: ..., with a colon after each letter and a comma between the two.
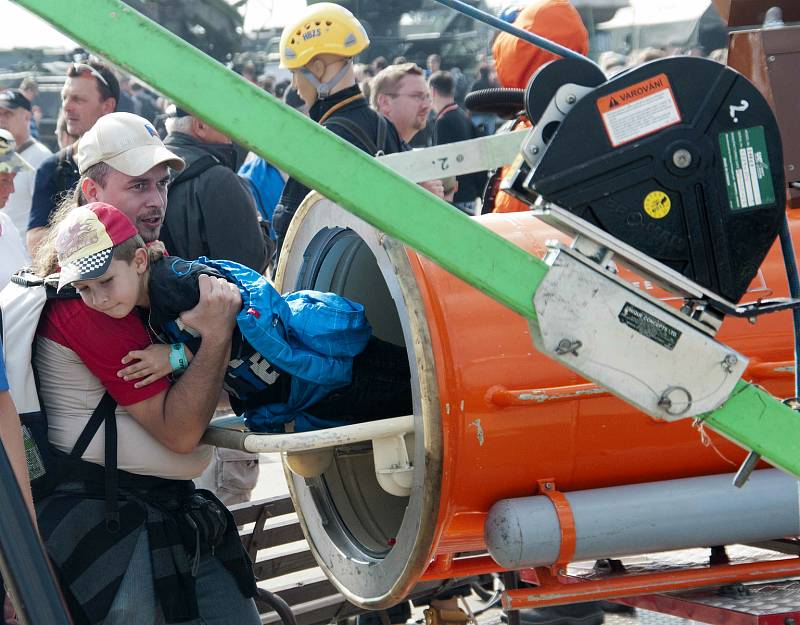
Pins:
x: 324, y: 88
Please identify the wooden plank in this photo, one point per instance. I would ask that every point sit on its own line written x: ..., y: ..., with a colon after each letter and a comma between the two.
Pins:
x: 308, y: 592
x: 284, y: 564
x: 250, y: 512
x: 274, y: 536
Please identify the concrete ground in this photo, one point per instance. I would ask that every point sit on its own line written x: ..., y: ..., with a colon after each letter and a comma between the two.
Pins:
x: 272, y: 482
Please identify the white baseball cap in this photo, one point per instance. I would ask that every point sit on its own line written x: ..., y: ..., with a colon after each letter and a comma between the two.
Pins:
x: 126, y: 142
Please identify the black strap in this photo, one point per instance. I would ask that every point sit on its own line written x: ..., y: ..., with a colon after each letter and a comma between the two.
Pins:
x: 354, y: 130
x: 383, y: 129
x: 64, y: 168
x: 105, y: 412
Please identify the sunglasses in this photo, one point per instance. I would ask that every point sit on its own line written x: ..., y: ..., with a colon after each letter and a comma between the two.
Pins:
x: 76, y: 69
x: 419, y: 97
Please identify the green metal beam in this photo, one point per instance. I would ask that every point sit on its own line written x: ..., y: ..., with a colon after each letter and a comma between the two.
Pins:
x: 360, y: 184
x: 756, y: 420
x: 299, y: 146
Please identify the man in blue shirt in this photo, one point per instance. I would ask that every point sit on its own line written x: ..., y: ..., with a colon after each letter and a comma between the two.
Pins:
x: 90, y: 91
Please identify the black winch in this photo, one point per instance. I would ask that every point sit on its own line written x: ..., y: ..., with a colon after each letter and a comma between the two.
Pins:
x: 680, y: 159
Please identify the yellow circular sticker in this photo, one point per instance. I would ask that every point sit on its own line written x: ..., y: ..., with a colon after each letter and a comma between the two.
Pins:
x: 657, y: 204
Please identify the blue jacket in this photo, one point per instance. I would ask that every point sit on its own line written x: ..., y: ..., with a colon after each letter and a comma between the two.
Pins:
x: 310, y: 335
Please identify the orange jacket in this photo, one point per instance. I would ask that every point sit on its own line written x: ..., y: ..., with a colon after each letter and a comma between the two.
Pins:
x: 517, y: 60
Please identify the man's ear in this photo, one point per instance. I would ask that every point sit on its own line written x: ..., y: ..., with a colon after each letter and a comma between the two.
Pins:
x: 89, y: 189
x: 109, y: 105
x: 381, y: 103
x: 317, y: 67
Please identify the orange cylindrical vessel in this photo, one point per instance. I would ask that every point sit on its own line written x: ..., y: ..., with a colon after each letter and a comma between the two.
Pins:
x: 492, y: 416
x: 514, y: 416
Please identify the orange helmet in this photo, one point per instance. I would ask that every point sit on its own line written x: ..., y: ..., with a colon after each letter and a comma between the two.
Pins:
x: 517, y: 60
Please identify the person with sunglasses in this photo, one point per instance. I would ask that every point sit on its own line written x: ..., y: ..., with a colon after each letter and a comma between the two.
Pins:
x: 90, y: 91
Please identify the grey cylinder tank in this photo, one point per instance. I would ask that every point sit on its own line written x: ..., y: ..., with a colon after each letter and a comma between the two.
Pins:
x: 646, y: 518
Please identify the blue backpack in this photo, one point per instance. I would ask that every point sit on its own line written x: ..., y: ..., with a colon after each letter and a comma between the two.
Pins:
x: 266, y: 184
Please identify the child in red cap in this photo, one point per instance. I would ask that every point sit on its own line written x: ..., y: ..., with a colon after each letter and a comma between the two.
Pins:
x: 289, y: 353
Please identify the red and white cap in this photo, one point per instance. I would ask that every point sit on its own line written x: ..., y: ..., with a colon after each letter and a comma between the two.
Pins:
x: 85, y: 241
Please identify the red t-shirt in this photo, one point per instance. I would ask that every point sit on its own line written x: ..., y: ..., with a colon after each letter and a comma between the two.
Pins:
x: 101, y: 342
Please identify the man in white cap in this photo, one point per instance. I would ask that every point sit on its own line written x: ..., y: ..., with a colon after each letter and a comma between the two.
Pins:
x: 158, y: 565
x: 123, y: 162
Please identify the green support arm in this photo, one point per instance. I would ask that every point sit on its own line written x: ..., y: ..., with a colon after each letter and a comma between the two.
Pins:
x: 359, y: 183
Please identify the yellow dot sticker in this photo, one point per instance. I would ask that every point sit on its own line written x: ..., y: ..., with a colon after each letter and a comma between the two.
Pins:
x: 657, y: 204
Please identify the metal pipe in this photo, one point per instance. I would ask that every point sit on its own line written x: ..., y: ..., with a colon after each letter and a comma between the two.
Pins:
x: 235, y: 438
x: 496, y: 22
x: 646, y: 518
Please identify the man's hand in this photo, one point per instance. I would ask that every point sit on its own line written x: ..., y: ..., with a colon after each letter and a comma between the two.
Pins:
x: 215, y: 314
x: 434, y: 186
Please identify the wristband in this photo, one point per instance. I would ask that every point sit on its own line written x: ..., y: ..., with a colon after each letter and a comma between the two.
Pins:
x: 177, y: 357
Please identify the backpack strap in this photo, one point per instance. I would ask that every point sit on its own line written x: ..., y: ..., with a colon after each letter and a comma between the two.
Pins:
x: 383, y: 131
x: 354, y: 130
x: 64, y: 167
x: 105, y: 412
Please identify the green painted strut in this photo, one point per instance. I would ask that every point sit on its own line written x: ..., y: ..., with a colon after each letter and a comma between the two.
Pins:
x: 357, y: 182
x: 299, y: 146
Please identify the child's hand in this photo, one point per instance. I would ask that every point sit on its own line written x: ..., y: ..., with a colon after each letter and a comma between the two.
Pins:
x: 151, y: 364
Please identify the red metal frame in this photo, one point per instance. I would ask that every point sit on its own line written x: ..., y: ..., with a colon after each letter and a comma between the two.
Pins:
x: 562, y: 589
x: 683, y: 607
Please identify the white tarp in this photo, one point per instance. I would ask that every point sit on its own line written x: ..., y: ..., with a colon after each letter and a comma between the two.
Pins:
x: 658, y: 23
x: 642, y: 12
x: 21, y: 29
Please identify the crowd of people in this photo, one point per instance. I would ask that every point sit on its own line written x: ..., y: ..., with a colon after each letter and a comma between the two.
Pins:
x: 134, y: 179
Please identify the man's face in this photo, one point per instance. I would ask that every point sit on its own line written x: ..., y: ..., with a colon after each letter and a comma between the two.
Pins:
x: 6, y: 187
x: 83, y: 104
x: 143, y: 199
x: 408, y: 106
x: 16, y: 122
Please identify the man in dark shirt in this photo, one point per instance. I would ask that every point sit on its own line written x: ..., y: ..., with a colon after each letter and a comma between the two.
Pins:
x: 210, y: 210
x: 322, y: 72
x: 90, y: 91
x: 452, y: 125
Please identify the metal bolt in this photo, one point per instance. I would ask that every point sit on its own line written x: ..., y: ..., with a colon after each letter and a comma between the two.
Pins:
x: 533, y: 150
x: 562, y: 571
x: 771, y: 59
x: 568, y: 346
x: 548, y: 485
x: 677, y: 407
x: 571, y: 99
x: 682, y: 158
x: 729, y: 362
x: 790, y: 167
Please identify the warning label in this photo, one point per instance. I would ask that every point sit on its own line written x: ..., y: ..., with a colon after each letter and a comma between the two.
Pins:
x: 746, y: 163
x: 639, y: 110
